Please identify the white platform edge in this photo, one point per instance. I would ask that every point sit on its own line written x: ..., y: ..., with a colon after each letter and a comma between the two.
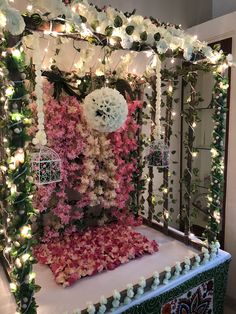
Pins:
x: 221, y: 258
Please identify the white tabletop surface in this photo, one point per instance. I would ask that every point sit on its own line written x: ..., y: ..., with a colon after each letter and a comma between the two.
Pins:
x: 53, y: 298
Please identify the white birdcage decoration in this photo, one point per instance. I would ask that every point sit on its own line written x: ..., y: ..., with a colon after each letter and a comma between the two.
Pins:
x: 46, y: 165
x: 158, y: 154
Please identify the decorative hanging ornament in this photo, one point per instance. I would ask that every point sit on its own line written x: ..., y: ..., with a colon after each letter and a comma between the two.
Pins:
x: 158, y: 153
x: 46, y: 163
x: 105, y: 110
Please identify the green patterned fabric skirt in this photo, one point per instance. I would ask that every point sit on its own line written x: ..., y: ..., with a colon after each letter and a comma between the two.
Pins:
x: 202, y: 294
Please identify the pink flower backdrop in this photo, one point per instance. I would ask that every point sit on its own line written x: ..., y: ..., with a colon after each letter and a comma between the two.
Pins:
x: 97, y: 179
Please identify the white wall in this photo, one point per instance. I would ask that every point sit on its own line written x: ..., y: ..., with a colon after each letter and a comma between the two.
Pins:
x: 222, y: 7
x: 184, y: 12
x: 220, y: 28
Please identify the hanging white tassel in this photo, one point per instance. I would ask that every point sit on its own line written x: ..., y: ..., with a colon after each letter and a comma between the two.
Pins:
x: 158, y: 97
x: 40, y: 138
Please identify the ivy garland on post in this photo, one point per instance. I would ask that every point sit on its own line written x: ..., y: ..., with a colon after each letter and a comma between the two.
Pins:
x: 219, y: 102
x: 191, y: 117
x: 152, y: 99
x: 18, y: 210
x: 170, y: 81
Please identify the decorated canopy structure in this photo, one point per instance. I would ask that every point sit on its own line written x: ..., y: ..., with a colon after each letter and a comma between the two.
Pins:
x: 100, y: 134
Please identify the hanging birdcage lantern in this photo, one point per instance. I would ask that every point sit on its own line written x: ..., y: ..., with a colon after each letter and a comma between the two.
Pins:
x: 46, y: 163
x: 158, y: 154
x: 46, y: 166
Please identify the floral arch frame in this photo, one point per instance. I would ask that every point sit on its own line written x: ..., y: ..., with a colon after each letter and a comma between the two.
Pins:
x: 109, y: 27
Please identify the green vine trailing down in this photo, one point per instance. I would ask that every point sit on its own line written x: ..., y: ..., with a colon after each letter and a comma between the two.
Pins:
x: 18, y: 213
x: 170, y: 82
x: 191, y: 117
x: 215, y: 198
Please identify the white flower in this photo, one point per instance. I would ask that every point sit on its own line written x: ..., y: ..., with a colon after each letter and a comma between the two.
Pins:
x: 103, y: 300
x: 115, y: 303
x: 207, y: 51
x: 102, y: 309
x: 162, y: 46
x: 3, y: 20
x: 101, y: 16
x: 142, y: 282
x: 136, y: 20
x: 188, y: 52
x: 14, y: 21
x: 91, y: 308
x: 116, y: 295
x: 126, y: 41
x: 105, y: 110
x: 156, y: 274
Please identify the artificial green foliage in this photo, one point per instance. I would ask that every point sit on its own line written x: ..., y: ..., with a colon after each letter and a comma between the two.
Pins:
x: 215, y: 199
x: 18, y: 192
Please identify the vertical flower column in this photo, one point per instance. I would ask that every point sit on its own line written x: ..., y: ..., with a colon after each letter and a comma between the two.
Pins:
x: 19, y: 212
x: 215, y: 197
x: 40, y: 138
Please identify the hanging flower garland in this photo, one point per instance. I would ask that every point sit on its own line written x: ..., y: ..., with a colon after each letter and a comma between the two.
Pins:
x: 158, y: 151
x: 158, y: 97
x: 40, y: 138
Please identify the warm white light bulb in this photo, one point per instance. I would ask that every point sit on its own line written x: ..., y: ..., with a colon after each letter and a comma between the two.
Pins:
x: 9, y: 91
x: 26, y: 232
x: 13, y: 189
x: 214, y: 152
x: 20, y: 156
x: 29, y: 7
x: 32, y: 276
x: 170, y: 88
x: 13, y: 287
x: 25, y: 257
x: 16, y: 53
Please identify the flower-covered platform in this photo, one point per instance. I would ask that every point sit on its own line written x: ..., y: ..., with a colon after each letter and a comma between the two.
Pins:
x: 53, y: 298
x: 76, y: 255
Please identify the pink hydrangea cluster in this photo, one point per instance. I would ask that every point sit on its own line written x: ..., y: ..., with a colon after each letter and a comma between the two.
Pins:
x: 76, y: 255
x: 123, y: 142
